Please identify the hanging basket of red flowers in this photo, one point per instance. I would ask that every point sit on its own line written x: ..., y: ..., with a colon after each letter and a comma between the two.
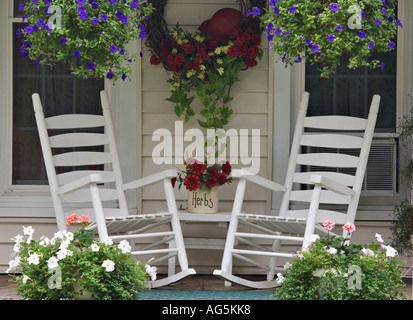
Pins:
x: 205, y: 64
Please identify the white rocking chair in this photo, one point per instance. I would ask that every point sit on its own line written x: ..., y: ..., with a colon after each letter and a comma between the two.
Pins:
x: 331, y: 187
x: 81, y: 186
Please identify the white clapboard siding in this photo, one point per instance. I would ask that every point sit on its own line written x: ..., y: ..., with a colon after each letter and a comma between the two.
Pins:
x: 252, y: 107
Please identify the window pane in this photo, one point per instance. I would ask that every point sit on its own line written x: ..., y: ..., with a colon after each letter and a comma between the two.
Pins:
x: 60, y: 92
x: 349, y: 92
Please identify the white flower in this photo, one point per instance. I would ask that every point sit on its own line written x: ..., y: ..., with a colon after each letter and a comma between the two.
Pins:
x: 151, y: 271
x: 390, y: 251
x: 108, y: 241
x: 280, y: 278
x: 52, y: 263
x: 125, y: 246
x: 287, y: 265
x: 332, y: 250
x: 25, y: 278
x: 379, y: 238
x: 28, y: 231
x: 17, y: 247
x: 44, y: 241
x: 13, y: 264
x: 63, y: 253
x: 95, y: 247
x: 368, y: 252
x: 18, y: 238
x: 34, y: 258
x: 109, y: 265
x: 313, y: 238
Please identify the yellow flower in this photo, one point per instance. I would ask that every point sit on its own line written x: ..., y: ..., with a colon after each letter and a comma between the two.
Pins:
x: 190, y: 73
x: 220, y: 70
x: 217, y: 50
x: 199, y: 38
x: 174, y: 51
x: 201, y: 76
x: 180, y: 41
x: 219, y: 61
x: 202, y: 67
x: 225, y: 49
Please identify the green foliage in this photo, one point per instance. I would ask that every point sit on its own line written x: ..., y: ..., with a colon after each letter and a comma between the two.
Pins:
x: 402, y: 228
x: 332, y: 269
x: 72, y: 263
x: 323, y: 31
x: 85, y: 35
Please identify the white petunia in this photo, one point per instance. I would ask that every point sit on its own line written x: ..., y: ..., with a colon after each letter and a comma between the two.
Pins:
x: 44, y: 241
x: 125, y: 246
x: 108, y: 241
x: 332, y: 250
x: 25, y: 278
x: 34, y: 258
x: 63, y: 253
x: 28, y: 231
x: 95, y: 247
x: 52, y: 263
x: 18, y: 238
x: 17, y: 247
x: 379, y: 238
x: 368, y: 252
x: 280, y: 278
x: 13, y: 264
x: 390, y: 251
x: 313, y: 238
x: 109, y: 265
x: 151, y: 271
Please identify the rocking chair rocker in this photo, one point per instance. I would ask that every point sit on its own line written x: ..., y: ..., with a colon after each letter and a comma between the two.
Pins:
x: 329, y: 187
x: 81, y: 186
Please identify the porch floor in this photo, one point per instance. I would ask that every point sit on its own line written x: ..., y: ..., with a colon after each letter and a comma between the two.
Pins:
x: 196, y: 282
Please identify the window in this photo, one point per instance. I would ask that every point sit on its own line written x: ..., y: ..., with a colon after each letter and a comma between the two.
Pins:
x: 349, y: 92
x: 60, y: 92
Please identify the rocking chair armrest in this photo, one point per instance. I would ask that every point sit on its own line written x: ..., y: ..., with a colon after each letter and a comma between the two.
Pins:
x: 154, y: 178
x: 80, y: 183
x: 266, y: 183
x: 332, y: 185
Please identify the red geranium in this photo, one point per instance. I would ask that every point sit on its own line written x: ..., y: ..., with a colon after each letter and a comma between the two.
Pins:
x: 192, y: 182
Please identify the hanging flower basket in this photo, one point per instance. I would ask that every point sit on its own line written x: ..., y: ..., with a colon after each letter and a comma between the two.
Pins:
x: 205, y: 64
x: 89, y: 35
x: 323, y: 31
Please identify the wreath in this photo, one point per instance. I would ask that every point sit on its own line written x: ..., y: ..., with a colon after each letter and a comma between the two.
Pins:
x: 205, y: 64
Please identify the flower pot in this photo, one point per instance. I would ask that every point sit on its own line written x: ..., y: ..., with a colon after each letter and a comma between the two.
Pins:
x: 203, y: 201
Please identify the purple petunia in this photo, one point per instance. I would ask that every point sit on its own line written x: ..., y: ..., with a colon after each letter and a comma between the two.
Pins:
x: 256, y: 12
x: 363, y: 14
x: 113, y: 48
x: 91, y: 65
x: 134, y: 4
x: 103, y: 17
x: 80, y: 2
x: 95, y: 21
x: 122, y: 52
x: 277, y: 31
x: 399, y: 23
x: 307, y: 41
x: 362, y: 34
x: 77, y: 54
x: 124, y: 19
x: 83, y: 15
x: 339, y: 27
x: 371, y: 45
x: 112, y: 1
x: 63, y: 40
x: 28, y: 29
x: 21, y: 7
x: 292, y: 9
x: 273, y: 3
x: 334, y: 7
x: 391, y: 44
x: 109, y: 75
x: 331, y: 38
x: 378, y: 22
x: 315, y: 47
x: 276, y: 10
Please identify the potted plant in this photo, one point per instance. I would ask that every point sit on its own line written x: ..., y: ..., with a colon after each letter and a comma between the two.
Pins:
x: 204, y: 64
x: 323, y: 31
x: 74, y: 266
x: 202, y: 181
x: 333, y: 269
x: 90, y: 35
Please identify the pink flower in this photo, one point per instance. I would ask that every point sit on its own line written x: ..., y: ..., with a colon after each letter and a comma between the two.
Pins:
x: 84, y: 219
x: 328, y: 224
x: 72, y: 219
x: 349, y: 227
